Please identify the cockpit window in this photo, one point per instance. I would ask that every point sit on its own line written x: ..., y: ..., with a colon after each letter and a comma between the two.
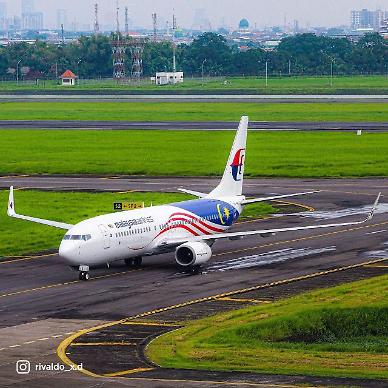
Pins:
x: 78, y: 237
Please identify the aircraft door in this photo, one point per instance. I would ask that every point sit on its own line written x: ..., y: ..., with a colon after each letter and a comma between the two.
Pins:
x: 106, y: 236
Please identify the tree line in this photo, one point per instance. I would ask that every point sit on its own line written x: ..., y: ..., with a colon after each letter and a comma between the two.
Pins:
x: 210, y: 53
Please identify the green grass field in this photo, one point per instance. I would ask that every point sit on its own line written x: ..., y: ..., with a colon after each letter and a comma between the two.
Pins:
x: 276, y: 85
x: 340, y: 331
x: 190, y: 153
x: 182, y: 111
x: 19, y: 237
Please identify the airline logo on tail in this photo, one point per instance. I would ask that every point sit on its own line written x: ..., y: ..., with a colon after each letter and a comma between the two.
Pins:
x: 238, y: 164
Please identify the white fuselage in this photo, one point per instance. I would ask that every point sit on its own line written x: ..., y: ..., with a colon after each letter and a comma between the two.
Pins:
x: 135, y: 233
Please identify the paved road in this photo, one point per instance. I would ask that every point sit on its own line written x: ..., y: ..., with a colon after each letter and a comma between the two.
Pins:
x: 40, y: 289
x: 252, y: 186
x: 192, y: 98
x: 184, y: 125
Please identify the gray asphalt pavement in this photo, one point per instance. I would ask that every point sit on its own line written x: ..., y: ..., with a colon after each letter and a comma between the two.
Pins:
x: 192, y: 98
x: 40, y: 290
x: 184, y: 125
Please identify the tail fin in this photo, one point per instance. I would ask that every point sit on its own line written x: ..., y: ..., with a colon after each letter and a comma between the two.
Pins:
x: 232, y: 180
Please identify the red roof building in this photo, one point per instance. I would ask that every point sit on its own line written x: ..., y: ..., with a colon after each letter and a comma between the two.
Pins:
x: 68, y: 78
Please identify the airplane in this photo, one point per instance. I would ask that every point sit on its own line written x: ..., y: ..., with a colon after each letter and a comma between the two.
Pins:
x: 188, y: 228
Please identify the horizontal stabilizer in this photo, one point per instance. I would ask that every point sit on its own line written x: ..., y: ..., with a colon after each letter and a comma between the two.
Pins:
x: 255, y: 200
x: 195, y: 193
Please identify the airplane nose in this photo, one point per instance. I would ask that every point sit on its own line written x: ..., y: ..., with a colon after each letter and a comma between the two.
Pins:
x: 69, y: 251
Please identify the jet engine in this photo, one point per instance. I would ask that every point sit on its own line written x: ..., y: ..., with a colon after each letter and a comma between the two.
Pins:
x: 193, y: 254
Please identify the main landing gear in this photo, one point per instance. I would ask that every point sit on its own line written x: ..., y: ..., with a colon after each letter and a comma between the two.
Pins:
x: 134, y: 262
x: 84, y: 272
x: 194, y: 270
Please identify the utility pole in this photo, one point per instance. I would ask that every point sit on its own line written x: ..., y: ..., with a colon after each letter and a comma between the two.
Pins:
x: 266, y: 73
x: 331, y: 72
x: 203, y: 63
x: 289, y: 67
x: 79, y: 75
x: 17, y: 72
x: 174, y: 27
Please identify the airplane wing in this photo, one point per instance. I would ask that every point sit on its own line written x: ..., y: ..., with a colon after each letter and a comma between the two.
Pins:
x: 266, y: 232
x: 12, y: 213
x: 255, y: 200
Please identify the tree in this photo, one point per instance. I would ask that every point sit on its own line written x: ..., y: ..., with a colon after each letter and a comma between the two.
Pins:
x: 212, y: 48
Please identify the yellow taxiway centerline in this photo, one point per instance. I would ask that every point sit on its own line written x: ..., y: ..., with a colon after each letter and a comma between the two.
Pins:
x: 61, y: 350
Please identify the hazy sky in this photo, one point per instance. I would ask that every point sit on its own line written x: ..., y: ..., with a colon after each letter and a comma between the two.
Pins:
x: 264, y: 13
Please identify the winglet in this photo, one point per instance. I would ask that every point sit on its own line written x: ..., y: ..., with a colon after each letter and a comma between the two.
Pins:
x: 11, y: 203
x: 372, y: 212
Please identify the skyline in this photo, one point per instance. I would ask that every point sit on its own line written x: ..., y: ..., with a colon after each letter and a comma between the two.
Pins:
x: 256, y: 11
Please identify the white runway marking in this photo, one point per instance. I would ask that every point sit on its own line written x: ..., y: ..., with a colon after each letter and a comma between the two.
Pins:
x: 377, y: 231
x: 330, y: 215
x: 267, y: 258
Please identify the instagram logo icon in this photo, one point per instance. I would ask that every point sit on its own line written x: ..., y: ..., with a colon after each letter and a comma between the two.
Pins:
x: 23, y: 367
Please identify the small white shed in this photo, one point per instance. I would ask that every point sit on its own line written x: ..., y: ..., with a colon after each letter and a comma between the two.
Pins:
x: 165, y: 78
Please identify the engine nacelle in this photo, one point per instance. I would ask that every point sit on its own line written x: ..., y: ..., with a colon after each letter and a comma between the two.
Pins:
x: 190, y: 254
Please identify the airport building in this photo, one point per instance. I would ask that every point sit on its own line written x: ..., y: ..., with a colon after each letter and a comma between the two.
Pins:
x: 165, y: 78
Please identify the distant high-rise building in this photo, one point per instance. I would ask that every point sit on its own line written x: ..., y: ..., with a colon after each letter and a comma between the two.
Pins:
x: 28, y: 6
x: 32, y: 21
x: 3, y: 15
x: 365, y: 19
x: 201, y: 21
x: 61, y: 18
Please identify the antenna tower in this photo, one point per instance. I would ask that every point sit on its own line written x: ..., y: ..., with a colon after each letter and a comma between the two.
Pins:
x: 119, y: 47
x: 136, y: 46
x: 126, y: 21
x: 174, y: 27
x: 62, y: 34
x: 155, y: 25
x: 96, y: 24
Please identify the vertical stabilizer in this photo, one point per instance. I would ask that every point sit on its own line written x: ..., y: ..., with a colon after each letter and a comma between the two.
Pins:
x: 232, y: 180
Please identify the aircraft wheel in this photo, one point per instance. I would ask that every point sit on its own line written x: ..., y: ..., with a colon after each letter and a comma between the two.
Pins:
x: 137, y: 262
x: 84, y: 276
x: 195, y: 270
x: 128, y: 262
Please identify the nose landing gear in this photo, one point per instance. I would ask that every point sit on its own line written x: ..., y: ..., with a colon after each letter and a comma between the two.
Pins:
x: 84, y: 272
x: 134, y: 262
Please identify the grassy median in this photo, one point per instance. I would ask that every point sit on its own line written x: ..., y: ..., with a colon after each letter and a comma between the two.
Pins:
x: 190, y: 153
x: 340, y: 331
x: 238, y: 85
x: 19, y: 237
x: 194, y: 111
